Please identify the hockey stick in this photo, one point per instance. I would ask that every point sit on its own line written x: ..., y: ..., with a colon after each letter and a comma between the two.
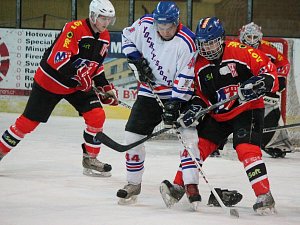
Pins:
x: 98, y: 92
x: 104, y: 139
x: 270, y: 129
x: 229, y: 211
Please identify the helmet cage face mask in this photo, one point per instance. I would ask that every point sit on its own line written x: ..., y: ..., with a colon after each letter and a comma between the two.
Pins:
x: 102, y: 11
x: 212, y: 49
x: 210, y: 36
x: 251, y: 35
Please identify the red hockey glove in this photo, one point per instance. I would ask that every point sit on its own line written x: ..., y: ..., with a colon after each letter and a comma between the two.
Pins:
x: 110, y: 95
x: 83, y: 79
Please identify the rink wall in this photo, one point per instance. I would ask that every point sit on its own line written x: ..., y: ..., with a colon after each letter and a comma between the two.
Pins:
x: 21, y: 51
x: 16, y: 104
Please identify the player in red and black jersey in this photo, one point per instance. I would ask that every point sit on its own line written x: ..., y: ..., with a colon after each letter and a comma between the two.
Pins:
x: 224, y: 69
x: 67, y: 71
x: 276, y: 143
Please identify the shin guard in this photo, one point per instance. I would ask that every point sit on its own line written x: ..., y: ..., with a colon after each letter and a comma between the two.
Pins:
x: 94, y: 119
x: 15, y: 133
x: 250, y: 155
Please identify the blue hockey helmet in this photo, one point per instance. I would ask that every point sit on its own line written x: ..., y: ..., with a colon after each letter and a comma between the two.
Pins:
x: 210, y: 36
x: 166, y: 12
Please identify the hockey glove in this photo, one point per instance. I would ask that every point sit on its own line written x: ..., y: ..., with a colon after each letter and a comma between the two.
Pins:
x: 229, y: 197
x: 83, y: 78
x: 172, y: 111
x: 110, y: 97
x: 141, y: 69
x: 188, y: 119
x: 252, y: 88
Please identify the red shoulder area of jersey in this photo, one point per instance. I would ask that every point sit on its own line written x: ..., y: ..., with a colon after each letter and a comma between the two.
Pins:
x: 242, y: 52
x: 267, y: 48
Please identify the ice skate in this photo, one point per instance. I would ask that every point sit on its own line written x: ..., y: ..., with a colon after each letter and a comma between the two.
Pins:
x: 171, y: 193
x: 193, y: 195
x: 93, y: 167
x: 265, y: 204
x: 128, y: 195
x: 279, y: 150
x: 229, y: 197
x: 215, y: 154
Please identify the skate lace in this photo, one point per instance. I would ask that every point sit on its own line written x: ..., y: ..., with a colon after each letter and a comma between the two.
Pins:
x: 132, y: 188
x: 96, y: 162
x: 265, y: 199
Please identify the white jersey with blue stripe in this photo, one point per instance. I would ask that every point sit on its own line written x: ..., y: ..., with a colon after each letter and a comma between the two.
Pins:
x: 172, y: 62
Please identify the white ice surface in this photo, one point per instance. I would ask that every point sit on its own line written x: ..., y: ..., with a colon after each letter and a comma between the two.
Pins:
x: 41, y: 183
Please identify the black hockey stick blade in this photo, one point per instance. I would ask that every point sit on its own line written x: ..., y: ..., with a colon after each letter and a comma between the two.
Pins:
x: 271, y: 129
x: 104, y: 139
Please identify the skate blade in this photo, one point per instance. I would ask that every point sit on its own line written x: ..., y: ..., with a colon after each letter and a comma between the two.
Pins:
x: 195, y: 206
x: 165, y: 194
x: 128, y: 201
x: 91, y: 173
x: 265, y: 211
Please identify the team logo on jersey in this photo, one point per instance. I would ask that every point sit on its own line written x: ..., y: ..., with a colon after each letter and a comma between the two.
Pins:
x: 225, y: 93
x: 132, y: 29
x: 232, y: 68
x: 78, y: 63
x: 60, y: 56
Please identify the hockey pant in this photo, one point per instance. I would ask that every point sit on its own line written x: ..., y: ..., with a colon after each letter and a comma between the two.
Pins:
x: 273, y: 118
x: 94, y: 120
x: 251, y: 157
x: 135, y: 158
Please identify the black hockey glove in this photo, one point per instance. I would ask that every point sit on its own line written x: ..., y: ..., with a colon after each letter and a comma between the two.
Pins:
x: 229, y: 197
x: 252, y: 88
x: 187, y: 118
x: 141, y: 69
x: 172, y: 111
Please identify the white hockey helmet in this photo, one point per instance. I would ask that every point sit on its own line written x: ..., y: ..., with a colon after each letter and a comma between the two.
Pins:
x: 102, y: 8
x: 250, y: 34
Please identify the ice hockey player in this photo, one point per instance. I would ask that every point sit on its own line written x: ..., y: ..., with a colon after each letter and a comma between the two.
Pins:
x: 67, y: 71
x: 223, y: 69
x: 278, y: 143
x: 160, y: 50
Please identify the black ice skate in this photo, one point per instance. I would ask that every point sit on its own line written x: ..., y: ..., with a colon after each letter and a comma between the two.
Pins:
x: 280, y: 148
x: 192, y: 193
x: 171, y: 193
x: 265, y: 204
x: 215, y: 153
x: 229, y: 197
x: 93, y: 167
x: 128, y: 195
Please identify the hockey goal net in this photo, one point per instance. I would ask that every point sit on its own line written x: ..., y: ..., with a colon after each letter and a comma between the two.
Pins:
x: 290, y: 107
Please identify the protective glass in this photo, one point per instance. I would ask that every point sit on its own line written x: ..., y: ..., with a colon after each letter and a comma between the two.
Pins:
x: 106, y: 20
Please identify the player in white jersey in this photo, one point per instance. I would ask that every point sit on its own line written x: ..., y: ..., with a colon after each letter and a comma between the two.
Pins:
x: 160, y: 51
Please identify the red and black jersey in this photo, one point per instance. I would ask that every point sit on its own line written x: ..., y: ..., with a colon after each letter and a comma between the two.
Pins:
x: 282, y: 63
x: 220, y: 79
x: 77, y: 45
